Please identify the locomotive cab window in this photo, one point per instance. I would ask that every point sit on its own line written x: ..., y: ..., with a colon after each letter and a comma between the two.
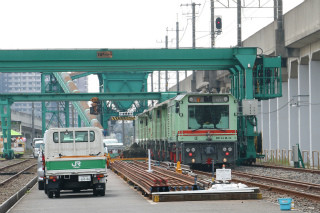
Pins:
x: 208, y: 117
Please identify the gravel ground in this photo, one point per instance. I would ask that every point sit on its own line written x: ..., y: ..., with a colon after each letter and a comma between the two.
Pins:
x: 285, y: 174
x: 9, y: 189
x: 4, y: 163
x: 301, y: 204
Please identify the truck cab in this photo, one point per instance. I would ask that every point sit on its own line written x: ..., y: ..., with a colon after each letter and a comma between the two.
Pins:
x: 74, y: 160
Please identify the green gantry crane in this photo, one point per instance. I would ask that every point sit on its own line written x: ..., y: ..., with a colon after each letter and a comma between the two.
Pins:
x: 254, y: 77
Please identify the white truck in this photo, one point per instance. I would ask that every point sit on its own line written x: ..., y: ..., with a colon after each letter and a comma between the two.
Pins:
x: 74, y: 160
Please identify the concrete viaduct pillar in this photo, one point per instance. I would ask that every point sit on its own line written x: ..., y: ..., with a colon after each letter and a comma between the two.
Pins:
x: 314, y: 105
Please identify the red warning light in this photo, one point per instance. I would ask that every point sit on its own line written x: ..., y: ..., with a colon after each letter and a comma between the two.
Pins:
x: 218, y: 23
x: 227, y: 153
x: 190, y: 154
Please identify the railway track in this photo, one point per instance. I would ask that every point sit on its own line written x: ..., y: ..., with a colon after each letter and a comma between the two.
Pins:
x: 286, y: 186
x: 15, y: 176
x: 12, y: 165
x: 314, y: 171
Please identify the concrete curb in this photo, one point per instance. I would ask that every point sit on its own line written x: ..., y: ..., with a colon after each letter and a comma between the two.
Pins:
x: 4, y: 207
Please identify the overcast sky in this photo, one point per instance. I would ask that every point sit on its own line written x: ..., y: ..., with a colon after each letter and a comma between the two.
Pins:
x: 44, y: 24
x: 26, y: 24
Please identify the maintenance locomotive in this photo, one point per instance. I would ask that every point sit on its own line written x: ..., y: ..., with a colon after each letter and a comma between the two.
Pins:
x: 193, y: 128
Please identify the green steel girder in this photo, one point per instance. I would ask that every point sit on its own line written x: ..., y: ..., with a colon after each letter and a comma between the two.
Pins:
x: 6, y: 127
x: 52, y: 86
x: 76, y: 104
x: 242, y: 63
x: 80, y: 75
x: 33, y: 97
x: 125, y: 82
x: 123, y: 60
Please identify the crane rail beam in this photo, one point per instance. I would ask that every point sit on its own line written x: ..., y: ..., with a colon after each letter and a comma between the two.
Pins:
x: 122, y: 60
x: 31, y: 97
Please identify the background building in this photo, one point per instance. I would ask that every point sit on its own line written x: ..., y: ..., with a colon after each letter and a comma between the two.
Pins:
x: 31, y: 83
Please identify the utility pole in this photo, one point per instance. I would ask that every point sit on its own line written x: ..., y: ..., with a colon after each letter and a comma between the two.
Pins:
x: 152, y: 85
x: 158, y: 81
x: 239, y: 6
x: 32, y: 123
x: 123, y: 132
x: 72, y: 111
x: 177, y: 46
x: 239, y: 22
x: 206, y: 73
x: 166, y: 70
x: 212, y: 24
x: 194, y: 25
x: 194, y: 79
x: 275, y: 10
x: 280, y: 47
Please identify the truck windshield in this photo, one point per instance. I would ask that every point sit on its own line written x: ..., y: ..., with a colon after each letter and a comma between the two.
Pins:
x: 77, y: 136
x: 208, y: 117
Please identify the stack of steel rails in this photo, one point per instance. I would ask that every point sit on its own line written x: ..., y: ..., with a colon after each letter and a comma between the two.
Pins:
x: 159, y: 180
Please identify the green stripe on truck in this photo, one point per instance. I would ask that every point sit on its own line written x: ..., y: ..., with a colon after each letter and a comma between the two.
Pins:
x: 76, y: 164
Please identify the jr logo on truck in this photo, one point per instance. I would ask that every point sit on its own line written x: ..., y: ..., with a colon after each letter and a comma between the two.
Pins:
x: 76, y: 164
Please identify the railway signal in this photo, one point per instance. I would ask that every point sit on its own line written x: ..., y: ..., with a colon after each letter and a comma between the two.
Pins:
x: 218, y: 24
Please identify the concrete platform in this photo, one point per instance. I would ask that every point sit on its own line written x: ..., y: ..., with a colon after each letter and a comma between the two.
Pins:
x: 120, y: 197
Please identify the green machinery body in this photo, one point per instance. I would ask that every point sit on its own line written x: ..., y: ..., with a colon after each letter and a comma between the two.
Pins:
x: 253, y: 77
x: 193, y: 128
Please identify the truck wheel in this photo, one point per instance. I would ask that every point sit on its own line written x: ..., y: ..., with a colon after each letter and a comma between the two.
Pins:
x: 40, y: 185
x: 50, y: 194
x: 57, y: 194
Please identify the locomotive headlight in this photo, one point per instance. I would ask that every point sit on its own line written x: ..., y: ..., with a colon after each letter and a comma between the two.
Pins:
x: 193, y: 160
x: 230, y: 149
x: 224, y: 160
x: 193, y: 149
x: 190, y: 99
x: 187, y: 149
x: 224, y: 149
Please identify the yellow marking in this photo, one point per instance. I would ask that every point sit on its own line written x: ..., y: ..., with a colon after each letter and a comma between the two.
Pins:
x: 178, y: 169
x: 259, y: 196
x: 156, y: 198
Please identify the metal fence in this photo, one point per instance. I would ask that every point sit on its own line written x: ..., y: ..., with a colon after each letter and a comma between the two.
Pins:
x: 284, y: 157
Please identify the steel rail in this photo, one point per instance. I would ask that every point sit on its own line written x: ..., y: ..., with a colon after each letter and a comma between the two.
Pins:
x: 158, y: 180
x: 143, y: 185
x: 272, y: 188
x: 289, y: 168
x: 279, y: 180
x: 16, y: 175
x: 170, y: 174
x: 8, y: 166
x: 281, y: 190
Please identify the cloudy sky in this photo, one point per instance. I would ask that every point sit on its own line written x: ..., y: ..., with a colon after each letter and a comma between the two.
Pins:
x: 121, y: 24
